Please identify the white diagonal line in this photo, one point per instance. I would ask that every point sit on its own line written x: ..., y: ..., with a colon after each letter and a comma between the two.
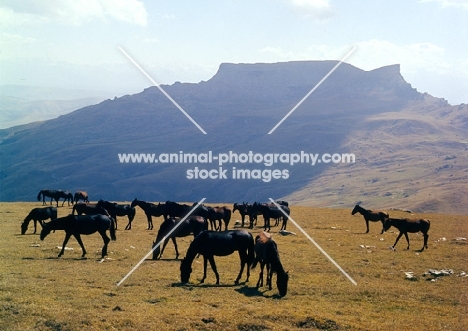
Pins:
x: 159, y: 243
x: 311, y: 91
x: 313, y: 242
x: 161, y: 89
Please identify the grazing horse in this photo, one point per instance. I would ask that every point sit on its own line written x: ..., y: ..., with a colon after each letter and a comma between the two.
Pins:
x: 38, y: 215
x: 174, y: 209
x: 66, y: 196
x: 88, y: 209
x: 114, y: 210
x: 78, y: 225
x: 81, y: 195
x: 219, y: 243
x: 369, y: 215
x: 191, y: 225
x: 406, y: 225
x: 242, y: 208
x: 150, y: 210
x: 219, y: 214
x: 271, y: 211
x: 266, y: 252
x: 52, y: 194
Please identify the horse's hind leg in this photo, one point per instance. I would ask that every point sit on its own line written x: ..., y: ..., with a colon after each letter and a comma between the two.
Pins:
x: 367, y: 227
x: 106, y: 240
x: 426, y: 237
x: 407, y: 239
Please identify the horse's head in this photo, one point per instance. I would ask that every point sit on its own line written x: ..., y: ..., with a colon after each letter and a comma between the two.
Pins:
x: 185, y: 271
x: 46, y: 228
x: 355, y: 210
x: 387, y: 224
x: 24, y: 226
x: 282, y: 283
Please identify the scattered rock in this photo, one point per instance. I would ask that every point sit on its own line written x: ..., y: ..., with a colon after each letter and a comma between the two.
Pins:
x: 286, y: 233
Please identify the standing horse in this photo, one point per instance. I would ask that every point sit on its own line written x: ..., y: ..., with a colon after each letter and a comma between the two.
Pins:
x: 191, y: 225
x: 38, y: 215
x: 88, y: 209
x: 114, y: 210
x: 52, y: 194
x: 81, y: 195
x: 219, y: 243
x: 406, y: 225
x: 78, y: 225
x: 219, y: 214
x: 271, y: 211
x: 150, y: 210
x: 266, y: 252
x: 242, y: 208
x: 369, y: 215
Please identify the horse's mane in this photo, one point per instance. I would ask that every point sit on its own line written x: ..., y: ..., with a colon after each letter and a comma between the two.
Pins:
x: 263, y: 237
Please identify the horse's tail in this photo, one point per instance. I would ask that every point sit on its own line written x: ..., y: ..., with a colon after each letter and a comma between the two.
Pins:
x: 39, y: 196
x: 53, y: 214
x: 74, y: 208
x: 132, y: 213
x: 112, y: 229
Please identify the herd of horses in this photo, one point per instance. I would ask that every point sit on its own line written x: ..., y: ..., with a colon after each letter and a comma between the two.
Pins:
x: 181, y: 220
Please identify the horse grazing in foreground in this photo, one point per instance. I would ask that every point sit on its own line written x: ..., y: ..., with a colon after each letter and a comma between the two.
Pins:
x: 219, y: 214
x: 266, y: 252
x: 114, y: 210
x: 81, y: 195
x: 191, y: 225
x: 369, y: 215
x: 78, y: 225
x: 406, y: 225
x: 150, y: 210
x: 38, y: 215
x: 219, y: 243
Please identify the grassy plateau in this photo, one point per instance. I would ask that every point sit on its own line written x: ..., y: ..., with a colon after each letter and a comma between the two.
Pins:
x: 39, y: 291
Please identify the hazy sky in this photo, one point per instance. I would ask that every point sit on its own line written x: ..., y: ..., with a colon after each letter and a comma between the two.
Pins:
x: 75, y: 44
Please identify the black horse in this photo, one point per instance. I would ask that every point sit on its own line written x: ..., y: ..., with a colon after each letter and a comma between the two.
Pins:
x: 81, y: 195
x: 266, y: 252
x: 38, y: 215
x: 406, y: 225
x: 52, y: 194
x: 78, y: 225
x: 191, y: 225
x: 66, y: 196
x: 369, y: 215
x: 243, y: 211
x: 219, y: 214
x: 174, y: 209
x: 150, y: 210
x: 219, y: 243
x: 270, y: 211
x: 114, y: 210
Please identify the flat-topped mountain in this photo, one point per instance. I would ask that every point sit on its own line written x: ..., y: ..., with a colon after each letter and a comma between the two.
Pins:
x: 406, y: 143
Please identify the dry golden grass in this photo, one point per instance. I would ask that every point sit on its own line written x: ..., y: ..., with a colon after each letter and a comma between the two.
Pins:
x: 38, y: 291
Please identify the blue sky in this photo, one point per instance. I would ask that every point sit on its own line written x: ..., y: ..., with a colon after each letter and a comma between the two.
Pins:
x: 75, y: 44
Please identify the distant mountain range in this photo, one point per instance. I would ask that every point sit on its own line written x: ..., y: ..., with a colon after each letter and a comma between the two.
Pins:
x: 410, y: 148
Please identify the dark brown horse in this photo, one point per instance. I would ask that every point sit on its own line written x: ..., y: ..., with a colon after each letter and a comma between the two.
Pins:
x: 219, y: 214
x: 52, y: 194
x: 38, y: 215
x: 150, y: 209
x: 78, y: 225
x: 81, y: 195
x: 114, y: 209
x: 369, y: 215
x: 270, y: 211
x: 242, y: 208
x: 88, y: 209
x: 219, y: 243
x: 66, y: 196
x: 405, y: 225
x: 266, y: 252
x: 191, y: 225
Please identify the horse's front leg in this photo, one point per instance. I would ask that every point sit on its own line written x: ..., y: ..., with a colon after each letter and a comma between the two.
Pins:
x: 269, y: 275
x: 426, y: 237
x: 78, y: 238
x: 260, y: 276
x: 175, y: 246
x: 65, y: 241
x: 367, y: 225
x: 35, y: 226
x: 213, y: 267
x: 398, y: 238
x: 129, y: 225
